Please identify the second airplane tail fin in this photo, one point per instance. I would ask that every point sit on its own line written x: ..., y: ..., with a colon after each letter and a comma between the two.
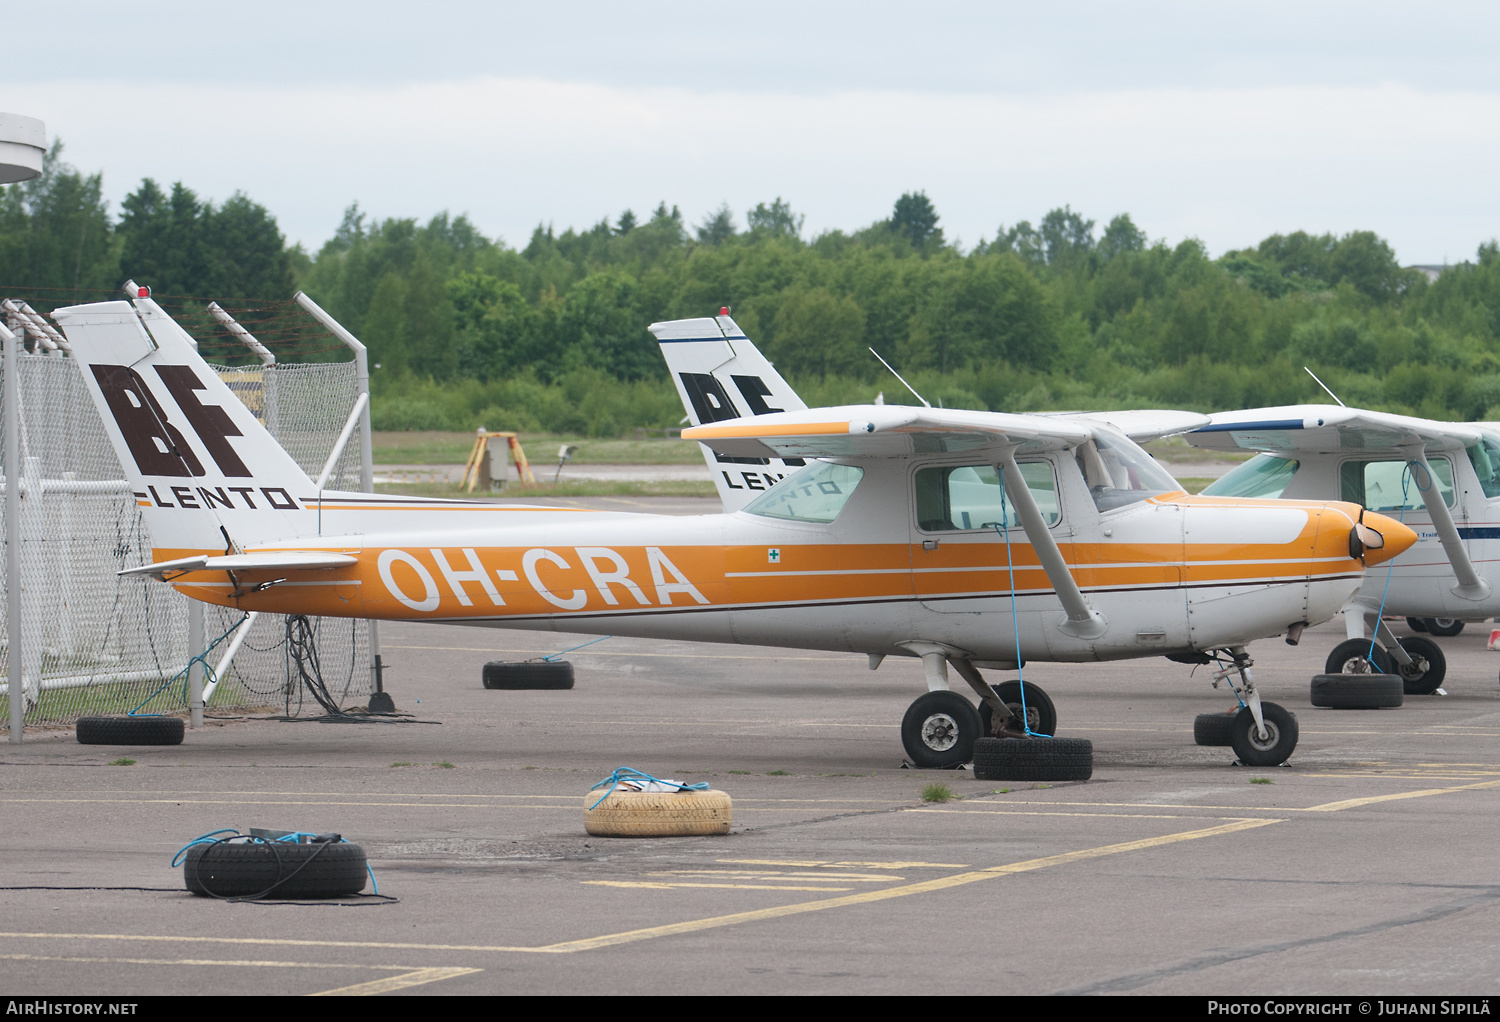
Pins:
x: 720, y: 375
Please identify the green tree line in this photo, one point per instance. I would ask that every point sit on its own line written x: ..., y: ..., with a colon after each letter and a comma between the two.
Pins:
x: 467, y: 330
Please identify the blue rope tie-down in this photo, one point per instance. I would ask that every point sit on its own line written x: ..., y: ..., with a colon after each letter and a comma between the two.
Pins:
x: 631, y: 774
x: 212, y: 838
x: 552, y: 657
x: 208, y: 673
x: 1015, y: 618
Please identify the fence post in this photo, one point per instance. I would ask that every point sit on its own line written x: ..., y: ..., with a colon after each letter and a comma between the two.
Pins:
x: 12, y: 428
x: 380, y: 702
x: 195, y: 667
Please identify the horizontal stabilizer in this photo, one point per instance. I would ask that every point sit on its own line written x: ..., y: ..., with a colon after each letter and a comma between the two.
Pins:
x: 266, y: 560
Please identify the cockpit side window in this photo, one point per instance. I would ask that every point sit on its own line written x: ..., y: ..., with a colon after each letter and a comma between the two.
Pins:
x: 1389, y: 486
x: 963, y: 497
x: 1485, y: 457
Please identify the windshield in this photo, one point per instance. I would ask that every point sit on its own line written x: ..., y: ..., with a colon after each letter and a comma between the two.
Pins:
x: 1264, y: 475
x: 1119, y: 472
x: 816, y: 494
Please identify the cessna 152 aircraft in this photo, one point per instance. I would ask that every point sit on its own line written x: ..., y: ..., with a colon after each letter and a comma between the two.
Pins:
x: 970, y: 539
x: 1440, y: 478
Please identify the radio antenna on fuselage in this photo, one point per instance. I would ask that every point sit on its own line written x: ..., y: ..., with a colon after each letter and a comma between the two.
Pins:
x: 1320, y: 383
x: 908, y: 386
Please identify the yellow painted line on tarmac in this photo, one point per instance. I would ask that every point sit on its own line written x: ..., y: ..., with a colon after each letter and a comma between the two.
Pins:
x: 236, y: 962
x: 663, y: 885
x: 269, y: 941
x: 767, y: 874
x: 1352, y: 803
x: 922, y: 887
x: 1039, y: 812
x: 808, y: 863
x: 417, y: 978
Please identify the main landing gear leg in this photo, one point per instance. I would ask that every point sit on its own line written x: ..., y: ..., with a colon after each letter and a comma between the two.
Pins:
x: 1263, y: 733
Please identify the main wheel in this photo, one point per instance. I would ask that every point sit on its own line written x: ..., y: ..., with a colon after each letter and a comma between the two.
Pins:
x: 1041, y: 715
x: 277, y: 869
x: 1214, y: 729
x: 1276, y: 747
x: 1033, y: 759
x: 1427, y: 669
x: 142, y: 730
x: 1443, y: 627
x: 939, y: 730
x: 1356, y: 691
x: 1354, y: 656
x: 545, y: 674
x: 1417, y: 624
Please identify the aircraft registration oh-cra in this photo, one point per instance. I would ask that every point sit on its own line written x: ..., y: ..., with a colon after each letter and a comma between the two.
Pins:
x: 970, y: 539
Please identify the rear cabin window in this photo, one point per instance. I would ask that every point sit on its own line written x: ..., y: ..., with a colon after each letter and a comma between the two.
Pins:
x: 1389, y: 486
x: 953, y: 498
x: 816, y: 494
x: 1264, y: 475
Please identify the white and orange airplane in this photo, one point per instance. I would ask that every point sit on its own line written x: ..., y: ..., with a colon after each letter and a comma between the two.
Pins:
x: 970, y: 539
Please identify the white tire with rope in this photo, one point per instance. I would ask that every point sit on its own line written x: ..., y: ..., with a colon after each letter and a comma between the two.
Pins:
x: 656, y: 813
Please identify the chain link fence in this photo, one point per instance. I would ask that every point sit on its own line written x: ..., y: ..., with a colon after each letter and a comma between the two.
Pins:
x: 93, y: 642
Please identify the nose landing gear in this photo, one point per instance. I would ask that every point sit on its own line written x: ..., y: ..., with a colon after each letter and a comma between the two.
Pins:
x: 1261, y: 734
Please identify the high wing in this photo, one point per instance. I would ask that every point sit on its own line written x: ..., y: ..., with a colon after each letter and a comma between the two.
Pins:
x: 1328, y: 429
x: 1143, y: 424
x: 894, y: 431
x: 887, y: 431
x: 1333, y: 429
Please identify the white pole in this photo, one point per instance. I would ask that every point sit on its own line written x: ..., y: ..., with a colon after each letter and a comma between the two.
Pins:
x: 17, y: 693
x: 222, y: 668
x: 366, y: 457
x: 195, y: 667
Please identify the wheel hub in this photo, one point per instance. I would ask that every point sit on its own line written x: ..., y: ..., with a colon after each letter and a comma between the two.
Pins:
x: 940, y: 732
x: 1273, y: 735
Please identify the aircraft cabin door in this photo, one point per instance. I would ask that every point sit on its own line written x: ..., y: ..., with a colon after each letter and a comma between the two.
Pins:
x: 958, y: 554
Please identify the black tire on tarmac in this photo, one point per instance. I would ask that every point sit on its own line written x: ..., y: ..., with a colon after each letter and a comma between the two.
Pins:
x: 1356, y: 691
x: 1417, y: 624
x: 1033, y: 759
x: 275, y: 869
x: 547, y: 674
x: 1280, y: 740
x: 1214, y: 729
x: 1443, y: 627
x: 939, y: 730
x: 1353, y: 656
x: 129, y: 730
x: 1039, y: 708
x: 1418, y: 680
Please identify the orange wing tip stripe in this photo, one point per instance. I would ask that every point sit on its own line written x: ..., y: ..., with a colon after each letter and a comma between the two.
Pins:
x: 719, y: 432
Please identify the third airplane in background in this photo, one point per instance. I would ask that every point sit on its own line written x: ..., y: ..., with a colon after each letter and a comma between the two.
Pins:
x: 1440, y: 478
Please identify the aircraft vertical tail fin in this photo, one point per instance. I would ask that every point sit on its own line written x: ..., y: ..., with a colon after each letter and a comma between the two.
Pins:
x: 205, y: 472
x: 720, y: 375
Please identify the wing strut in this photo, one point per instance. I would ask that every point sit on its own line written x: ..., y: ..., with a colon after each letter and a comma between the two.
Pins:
x: 1083, y: 621
x: 1470, y: 585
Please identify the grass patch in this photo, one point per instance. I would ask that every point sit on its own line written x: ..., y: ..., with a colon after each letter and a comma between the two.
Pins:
x: 122, y: 761
x: 937, y: 792
x: 403, y: 763
x: 444, y: 764
x: 739, y: 771
x: 578, y: 488
x: 1261, y: 780
x: 778, y: 773
x: 1000, y: 791
x: 436, y: 448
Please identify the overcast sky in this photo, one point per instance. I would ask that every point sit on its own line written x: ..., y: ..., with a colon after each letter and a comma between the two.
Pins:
x: 1218, y: 120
